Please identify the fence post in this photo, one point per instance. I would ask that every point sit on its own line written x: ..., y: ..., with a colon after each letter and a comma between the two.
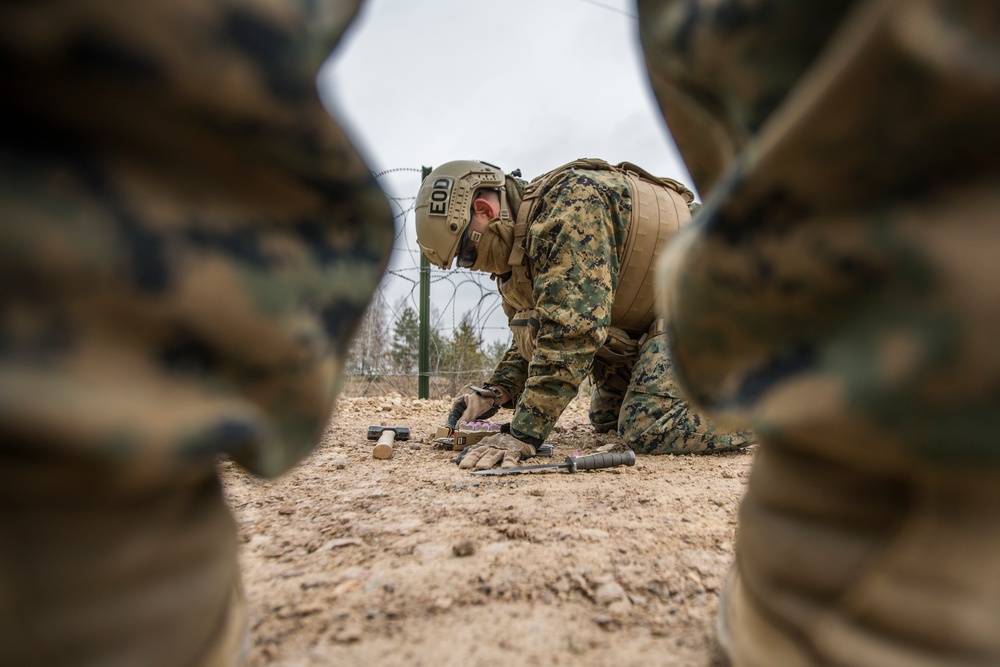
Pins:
x: 424, y: 339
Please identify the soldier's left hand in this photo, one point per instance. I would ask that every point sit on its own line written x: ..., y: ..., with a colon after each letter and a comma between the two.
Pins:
x: 502, y: 447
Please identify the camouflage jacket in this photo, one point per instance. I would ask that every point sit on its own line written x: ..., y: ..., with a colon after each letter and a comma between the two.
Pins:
x: 572, y: 246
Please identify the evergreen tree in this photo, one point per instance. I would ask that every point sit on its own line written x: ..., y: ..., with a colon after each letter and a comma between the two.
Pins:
x: 405, y: 348
x: 494, y: 352
x: 406, y: 342
x: 463, y: 356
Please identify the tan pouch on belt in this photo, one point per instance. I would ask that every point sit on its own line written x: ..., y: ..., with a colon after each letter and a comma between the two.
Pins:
x: 524, y: 327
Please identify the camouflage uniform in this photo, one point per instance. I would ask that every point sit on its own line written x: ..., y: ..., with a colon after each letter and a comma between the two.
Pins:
x: 839, y: 291
x: 188, y: 242
x: 573, y: 246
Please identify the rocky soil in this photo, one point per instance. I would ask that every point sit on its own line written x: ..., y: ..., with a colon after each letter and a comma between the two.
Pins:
x: 352, y: 560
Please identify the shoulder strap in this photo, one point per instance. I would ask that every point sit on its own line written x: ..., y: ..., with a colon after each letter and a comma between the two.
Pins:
x: 521, y: 281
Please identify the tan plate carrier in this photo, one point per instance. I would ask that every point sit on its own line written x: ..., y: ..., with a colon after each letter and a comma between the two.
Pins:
x: 659, y: 208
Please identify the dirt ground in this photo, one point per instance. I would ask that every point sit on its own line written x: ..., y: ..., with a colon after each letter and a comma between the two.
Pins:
x: 352, y: 560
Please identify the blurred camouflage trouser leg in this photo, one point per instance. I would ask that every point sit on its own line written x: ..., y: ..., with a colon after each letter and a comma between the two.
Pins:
x: 840, y: 288
x: 856, y: 564
x: 656, y: 419
x: 187, y: 243
x: 96, y: 575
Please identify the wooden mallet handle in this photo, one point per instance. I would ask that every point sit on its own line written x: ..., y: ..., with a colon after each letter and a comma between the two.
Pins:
x: 383, y: 448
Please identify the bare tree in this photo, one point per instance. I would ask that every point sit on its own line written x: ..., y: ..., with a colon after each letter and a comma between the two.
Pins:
x: 368, y: 356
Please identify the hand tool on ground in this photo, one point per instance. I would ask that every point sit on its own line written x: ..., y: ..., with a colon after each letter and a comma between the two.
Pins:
x: 386, y: 435
x: 573, y: 463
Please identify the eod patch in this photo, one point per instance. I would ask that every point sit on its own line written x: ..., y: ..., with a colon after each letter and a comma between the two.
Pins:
x: 440, y: 194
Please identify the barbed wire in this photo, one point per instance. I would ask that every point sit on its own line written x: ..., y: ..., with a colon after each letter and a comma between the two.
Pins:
x: 616, y: 10
x: 458, y: 298
x: 395, y: 170
x: 375, y: 375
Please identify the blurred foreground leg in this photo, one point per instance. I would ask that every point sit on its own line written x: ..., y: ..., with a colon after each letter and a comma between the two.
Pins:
x: 839, y: 292
x: 188, y: 241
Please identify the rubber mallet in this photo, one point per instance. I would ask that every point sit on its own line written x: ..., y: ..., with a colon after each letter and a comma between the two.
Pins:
x: 386, y: 435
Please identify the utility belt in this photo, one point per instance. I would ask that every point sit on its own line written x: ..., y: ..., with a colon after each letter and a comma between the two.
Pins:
x: 618, y: 352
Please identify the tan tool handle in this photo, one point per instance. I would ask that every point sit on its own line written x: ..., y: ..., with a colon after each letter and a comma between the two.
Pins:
x: 383, y: 448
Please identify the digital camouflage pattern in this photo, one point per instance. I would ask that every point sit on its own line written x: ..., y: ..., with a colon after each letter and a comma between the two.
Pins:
x: 839, y: 291
x: 655, y: 417
x: 573, y: 245
x: 188, y: 242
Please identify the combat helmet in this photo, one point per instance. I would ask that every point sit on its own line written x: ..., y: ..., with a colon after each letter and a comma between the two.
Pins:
x: 444, y: 206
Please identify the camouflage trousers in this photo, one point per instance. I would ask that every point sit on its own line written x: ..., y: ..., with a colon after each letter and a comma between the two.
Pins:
x: 188, y: 243
x: 644, y: 403
x: 95, y: 573
x: 839, y: 290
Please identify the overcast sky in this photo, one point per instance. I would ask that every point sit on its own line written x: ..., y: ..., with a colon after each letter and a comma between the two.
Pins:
x: 529, y: 84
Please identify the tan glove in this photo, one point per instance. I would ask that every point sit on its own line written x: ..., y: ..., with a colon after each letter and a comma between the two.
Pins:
x: 493, y: 448
x: 480, y: 403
